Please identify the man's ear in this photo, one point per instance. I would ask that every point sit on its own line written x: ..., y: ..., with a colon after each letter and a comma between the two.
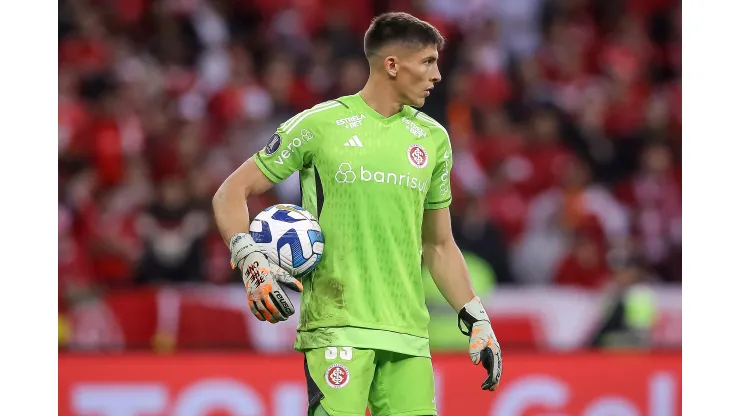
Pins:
x: 391, y: 65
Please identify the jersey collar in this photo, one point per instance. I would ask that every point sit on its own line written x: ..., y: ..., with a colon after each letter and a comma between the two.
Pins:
x: 374, y: 114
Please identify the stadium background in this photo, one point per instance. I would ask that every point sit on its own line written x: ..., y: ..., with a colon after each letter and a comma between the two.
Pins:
x: 565, y: 120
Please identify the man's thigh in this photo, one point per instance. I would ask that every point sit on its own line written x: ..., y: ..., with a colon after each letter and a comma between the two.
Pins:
x: 403, y: 386
x: 339, y: 379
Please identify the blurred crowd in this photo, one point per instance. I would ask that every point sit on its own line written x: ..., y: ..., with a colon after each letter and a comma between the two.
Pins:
x: 564, y: 116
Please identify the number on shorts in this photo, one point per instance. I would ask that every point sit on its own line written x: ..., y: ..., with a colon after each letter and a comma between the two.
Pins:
x: 331, y: 353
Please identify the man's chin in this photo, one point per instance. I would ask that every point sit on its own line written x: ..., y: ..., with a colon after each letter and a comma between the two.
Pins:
x: 419, y: 102
x: 414, y: 102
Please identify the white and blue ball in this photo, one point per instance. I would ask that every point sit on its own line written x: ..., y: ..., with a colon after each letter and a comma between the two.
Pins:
x: 290, y: 237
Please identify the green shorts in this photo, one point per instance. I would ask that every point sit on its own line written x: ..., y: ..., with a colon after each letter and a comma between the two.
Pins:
x: 346, y: 381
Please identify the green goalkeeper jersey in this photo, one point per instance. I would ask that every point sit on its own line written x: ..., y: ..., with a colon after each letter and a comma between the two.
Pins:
x: 368, y: 179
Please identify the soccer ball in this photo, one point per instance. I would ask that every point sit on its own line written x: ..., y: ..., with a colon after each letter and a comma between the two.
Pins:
x: 290, y: 237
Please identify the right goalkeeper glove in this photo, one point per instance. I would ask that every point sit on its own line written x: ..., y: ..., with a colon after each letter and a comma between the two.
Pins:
x: 262, y: 279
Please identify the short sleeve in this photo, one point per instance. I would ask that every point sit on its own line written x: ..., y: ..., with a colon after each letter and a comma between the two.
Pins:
x: 289, y: 149
x: 439, y: 194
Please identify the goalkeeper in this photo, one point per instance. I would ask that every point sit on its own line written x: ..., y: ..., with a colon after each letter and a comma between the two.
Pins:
x: 375, y: 171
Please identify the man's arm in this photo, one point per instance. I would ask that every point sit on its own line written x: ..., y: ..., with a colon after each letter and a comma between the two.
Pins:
x: 447, y: 267
x: 444, y: 259
x: 230, y: 201
x: 260, y: 277
x: 279, y: 159
x: 275, y: 162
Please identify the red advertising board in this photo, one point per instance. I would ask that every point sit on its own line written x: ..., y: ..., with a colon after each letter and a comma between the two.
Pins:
x: 589, y: 384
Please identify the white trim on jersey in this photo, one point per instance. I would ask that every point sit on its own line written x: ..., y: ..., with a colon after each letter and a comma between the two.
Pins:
x: 292, y: 119
x: 435, y: 122
x: 308, y: 113
x: 354, y: 141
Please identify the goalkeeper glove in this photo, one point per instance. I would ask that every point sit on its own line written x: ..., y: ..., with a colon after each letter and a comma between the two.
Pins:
x: 262, y: 279
x: 483, y: 344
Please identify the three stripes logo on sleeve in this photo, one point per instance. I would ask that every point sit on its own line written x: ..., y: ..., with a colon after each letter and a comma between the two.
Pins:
x: 354, y: 142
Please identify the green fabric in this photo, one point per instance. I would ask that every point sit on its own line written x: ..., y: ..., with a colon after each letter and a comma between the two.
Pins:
x: 318, y: 411
x: 389, y: 383
x: 363, y: 338
x: 376, y: 176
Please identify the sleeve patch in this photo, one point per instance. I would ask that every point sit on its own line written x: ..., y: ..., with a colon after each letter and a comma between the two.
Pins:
x: 273, y: 144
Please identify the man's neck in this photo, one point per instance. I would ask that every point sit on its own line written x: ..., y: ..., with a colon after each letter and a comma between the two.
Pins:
x: 381, y: 97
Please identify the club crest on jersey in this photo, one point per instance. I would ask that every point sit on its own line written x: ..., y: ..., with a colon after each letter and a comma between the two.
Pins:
x: 417, y: 156
x: 273, y: 144
x: 337, y: 376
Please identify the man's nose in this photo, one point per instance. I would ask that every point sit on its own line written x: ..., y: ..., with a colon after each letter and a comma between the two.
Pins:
x: 437, y: 77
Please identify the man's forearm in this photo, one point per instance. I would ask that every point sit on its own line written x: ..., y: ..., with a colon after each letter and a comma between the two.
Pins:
x: 230, y: 201
x: 449, y: 272
x: 231, y: 212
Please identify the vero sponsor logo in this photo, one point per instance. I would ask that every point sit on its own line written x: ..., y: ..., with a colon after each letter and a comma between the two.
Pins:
x: 293, y: 145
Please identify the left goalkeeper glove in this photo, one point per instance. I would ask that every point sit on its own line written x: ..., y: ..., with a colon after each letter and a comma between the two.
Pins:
x: 483, y: 344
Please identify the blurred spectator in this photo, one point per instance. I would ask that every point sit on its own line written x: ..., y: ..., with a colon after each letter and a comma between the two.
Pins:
x: 111, y: 237
x: 75, y: 271
x: 88, y: 47
x: 73, y: 113
x: 555, y: 214
x: 653, y: 196
x: 489, y: 62
x: 172, y: 230
x: 544, y: 155
x: 585, y: 265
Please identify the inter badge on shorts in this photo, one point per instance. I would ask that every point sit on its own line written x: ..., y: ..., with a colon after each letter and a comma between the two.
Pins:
x: 273, y: 144
x: 417, y: 156
x: 337, y: 376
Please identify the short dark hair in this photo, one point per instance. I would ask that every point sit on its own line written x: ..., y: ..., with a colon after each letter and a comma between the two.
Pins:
x: 399, y: 27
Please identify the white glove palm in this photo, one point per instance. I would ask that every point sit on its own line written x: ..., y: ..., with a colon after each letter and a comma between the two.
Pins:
x: 484, y: 346
x: 262, y: 279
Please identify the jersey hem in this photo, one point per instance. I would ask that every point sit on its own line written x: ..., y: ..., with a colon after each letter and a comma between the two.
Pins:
x: 357, y: 337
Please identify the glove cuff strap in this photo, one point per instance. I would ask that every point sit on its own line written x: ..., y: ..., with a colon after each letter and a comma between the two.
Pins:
x: 239, y: 240
x: 236, y: 238
x: 471, y: 313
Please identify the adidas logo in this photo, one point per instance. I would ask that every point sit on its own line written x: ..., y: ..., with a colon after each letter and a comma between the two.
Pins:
x: 354, y: 141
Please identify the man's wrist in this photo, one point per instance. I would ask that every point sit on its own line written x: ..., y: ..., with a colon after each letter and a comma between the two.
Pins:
x: 471, y: 313
x: 237, y: 237
x: 238, y: 246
